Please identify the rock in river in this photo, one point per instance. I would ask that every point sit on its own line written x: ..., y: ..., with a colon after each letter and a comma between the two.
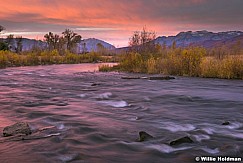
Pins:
x: 185, y: 139
x: 143, y: 136
x: 130, y: 77
x: 161, y: 77
x: 17, y: 128
x: 225, y: 123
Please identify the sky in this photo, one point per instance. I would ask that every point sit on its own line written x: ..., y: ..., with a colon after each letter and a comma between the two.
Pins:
x: 114, y: 21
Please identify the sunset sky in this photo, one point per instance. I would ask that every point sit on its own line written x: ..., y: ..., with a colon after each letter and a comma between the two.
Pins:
x: 115, y: 20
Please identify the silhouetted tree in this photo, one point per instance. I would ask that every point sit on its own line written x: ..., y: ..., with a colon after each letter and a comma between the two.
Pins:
x: 143, y: 41
x: 19, y: 47
x: 49, y: 39
x: 3, y: 46
x: 135, y: 39
x: 1, y: 28
x: 71, y: 39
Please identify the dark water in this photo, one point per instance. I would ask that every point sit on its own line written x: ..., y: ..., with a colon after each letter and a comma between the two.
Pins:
x: 100, y: 122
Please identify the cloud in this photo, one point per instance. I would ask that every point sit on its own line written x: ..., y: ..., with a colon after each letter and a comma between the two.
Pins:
x: 120, y: 18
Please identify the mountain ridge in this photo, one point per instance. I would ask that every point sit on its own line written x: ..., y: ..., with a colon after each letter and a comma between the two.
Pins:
x: 90, y: 44
x: 198, y: 38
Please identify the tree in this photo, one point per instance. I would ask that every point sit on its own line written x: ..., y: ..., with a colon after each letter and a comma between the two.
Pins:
x: 71, y: 39
x: 1, y: 28
x: 49, y: 39
x: 19, y: 47
x: 56, y: 40
x: 60, y: 45
x: 100, y: 48
x: 135, y: 39
x: 174, y: 45
x: 11, y: 42
x: 3, y: 46
x: 84, y: 48
x: 142, y: 37
x: 143, y: 41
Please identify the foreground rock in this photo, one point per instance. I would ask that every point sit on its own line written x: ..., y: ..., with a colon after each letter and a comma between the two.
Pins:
x: 17, y: 128
x: 179, y: 141
x: 226, y: 123
x: 161, y: 77
x: 143, y: 136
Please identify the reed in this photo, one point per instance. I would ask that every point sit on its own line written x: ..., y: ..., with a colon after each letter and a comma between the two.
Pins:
x: 192, y: 61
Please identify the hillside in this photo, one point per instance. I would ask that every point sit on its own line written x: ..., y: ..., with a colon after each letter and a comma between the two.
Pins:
x: 90, y: 44
x: 201, y: 38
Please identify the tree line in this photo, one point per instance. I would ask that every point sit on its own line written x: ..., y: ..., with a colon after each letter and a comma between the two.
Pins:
x: 145, y: 56
x: 67, y: 41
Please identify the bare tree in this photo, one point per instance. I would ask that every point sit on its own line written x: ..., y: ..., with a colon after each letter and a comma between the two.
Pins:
x: 49, y: 39
x: 135, y: 39
x: 143, y: 41
x: 71, y: 38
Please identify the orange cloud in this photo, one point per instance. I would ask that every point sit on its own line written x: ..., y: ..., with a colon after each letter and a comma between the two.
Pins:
x: 166, y: 17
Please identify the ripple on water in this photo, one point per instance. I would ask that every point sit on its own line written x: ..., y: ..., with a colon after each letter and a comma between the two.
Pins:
x: 82, y: 95
x: 167, y: 149
x: 174, y: 127
x: 68, y: 157
x: 105, y: 95
x: 209, y: 150
x: 201, y: 137
x: 116, y: 104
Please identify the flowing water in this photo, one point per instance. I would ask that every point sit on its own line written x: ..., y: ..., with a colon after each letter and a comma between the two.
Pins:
x: 97, y: 116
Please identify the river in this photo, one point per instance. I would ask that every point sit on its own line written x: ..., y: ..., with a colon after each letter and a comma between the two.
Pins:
x: 97, y: 116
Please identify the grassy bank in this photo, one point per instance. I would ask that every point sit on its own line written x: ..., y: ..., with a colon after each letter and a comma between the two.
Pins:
x: 193, y: 61
x: 10, y: 59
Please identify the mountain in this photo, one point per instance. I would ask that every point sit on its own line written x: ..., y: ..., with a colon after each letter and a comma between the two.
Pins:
x: 90, y: 44
x: 86, y: 45
x: 27, y: 44
x: 201, y: 38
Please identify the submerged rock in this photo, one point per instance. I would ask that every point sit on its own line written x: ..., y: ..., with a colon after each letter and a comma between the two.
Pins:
x: 161, y: 77
x: 185, y: 139
x: 226, y: 123
x: 17, y: 128
x: 130, y: 77
x: 95, y: 84
x: 143, y: 136
x: 149, y: 78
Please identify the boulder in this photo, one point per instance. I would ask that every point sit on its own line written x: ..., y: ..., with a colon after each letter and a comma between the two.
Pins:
x: 226, y: 123
x: 182, y: 140
x: 161, y: 77
x: 143, y: 136
x: 17, y: 128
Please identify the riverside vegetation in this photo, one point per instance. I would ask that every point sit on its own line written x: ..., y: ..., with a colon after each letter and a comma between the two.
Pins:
x: 11, y: 59
x: 144, y: 56
x: 147, y: 57
x: 58, y: 50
